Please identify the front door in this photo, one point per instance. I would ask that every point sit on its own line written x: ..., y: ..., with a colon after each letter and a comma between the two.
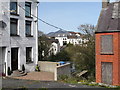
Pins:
x: 14, y: 59
x: 107, y: 72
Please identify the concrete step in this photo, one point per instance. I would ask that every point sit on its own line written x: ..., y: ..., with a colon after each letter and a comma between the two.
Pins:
x: 18, y: 73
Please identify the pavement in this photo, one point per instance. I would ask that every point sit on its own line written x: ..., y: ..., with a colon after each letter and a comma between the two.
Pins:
x: 11, y: 83
x: 42, y: 76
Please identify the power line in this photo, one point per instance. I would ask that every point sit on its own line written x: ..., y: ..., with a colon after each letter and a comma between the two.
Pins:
x: 41, y: 19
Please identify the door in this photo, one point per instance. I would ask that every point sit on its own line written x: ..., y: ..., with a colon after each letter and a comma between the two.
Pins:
x: 14, y: 59
x: 107, y: 70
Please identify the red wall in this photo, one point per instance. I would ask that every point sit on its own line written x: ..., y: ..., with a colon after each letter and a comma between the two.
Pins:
x: 115, y: 58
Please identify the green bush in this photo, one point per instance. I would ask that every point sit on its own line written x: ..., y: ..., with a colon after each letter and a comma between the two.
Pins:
x: 62, y: 77
x: 9, y: 71
x: 37, y: 68
x: 68, y: 79
x: 23, y: 68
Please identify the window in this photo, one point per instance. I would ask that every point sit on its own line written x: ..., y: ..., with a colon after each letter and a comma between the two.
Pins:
x: 28, y: 9
x: 28, y: 55
x: 13, y: 7
x: 107, y: 44
x: 13, y: 27
x: 64, y: 43
x: 28, y: 28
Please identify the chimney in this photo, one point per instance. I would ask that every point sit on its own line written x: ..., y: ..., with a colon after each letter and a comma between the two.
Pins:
x: 105, y: 3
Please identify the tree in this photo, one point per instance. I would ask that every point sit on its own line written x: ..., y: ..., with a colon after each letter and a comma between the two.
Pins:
x: 61, y: 56
x: 43, y: 47
x: 83, y: 56
x: 87, y: 29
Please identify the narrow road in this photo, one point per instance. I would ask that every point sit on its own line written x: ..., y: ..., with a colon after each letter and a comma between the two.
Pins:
x: 17, y: 84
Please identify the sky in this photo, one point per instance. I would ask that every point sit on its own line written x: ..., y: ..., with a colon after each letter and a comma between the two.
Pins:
x: 68, y: 15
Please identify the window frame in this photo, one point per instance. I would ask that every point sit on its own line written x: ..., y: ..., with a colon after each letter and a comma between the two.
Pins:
x: 31, y: 51
x: 11, y: 34
x: 102, y: 52
x: 14, y: 13
x: 30, y: 24
x: 29, y: 7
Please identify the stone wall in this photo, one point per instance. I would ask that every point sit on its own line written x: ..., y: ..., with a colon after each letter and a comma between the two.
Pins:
x: 63, y: 70
x: 57, y: 70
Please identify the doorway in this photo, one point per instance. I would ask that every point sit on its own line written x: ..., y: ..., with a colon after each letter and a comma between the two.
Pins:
x: 14, y: 59
x: 107, y: 70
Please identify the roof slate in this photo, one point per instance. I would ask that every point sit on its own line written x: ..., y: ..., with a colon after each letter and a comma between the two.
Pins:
x: 106, y: 21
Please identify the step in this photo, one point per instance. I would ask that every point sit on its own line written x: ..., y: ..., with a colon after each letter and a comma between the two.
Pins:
x: 18, y: 73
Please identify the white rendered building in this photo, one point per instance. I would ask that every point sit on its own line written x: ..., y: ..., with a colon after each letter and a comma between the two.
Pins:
x: 55, y: 48
x: 18, y: 35
x: 73, y: 38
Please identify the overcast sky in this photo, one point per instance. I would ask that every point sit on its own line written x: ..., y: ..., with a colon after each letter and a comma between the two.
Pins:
x: 68, y: 15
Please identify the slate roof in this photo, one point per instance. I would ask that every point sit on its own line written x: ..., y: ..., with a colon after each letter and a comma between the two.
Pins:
x: 109, y: 20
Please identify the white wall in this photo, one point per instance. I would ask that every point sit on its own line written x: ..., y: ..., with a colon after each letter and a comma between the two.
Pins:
x: 61, y: 39
x: 73, y: 41
x: 20, y: 41
x: 55, y: 47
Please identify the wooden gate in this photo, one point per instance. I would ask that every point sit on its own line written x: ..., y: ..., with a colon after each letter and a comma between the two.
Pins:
x: 107, y: 70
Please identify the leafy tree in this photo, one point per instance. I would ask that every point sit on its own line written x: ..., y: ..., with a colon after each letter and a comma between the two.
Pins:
x: 84, y: 58
x: 43, y: 47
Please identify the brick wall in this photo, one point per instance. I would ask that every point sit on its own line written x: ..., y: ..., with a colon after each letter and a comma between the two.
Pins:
x: 114, y: 58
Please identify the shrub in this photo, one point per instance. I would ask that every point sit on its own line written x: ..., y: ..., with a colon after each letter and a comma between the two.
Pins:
x: 37, y: 68
x: 23, y: 68
x: 9, y: 71
x: 63, y: 77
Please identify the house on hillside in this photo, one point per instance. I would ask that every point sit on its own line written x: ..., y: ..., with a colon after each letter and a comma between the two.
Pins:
x: 74, y: 38
x: 18, y: 35
x: 55, y: 47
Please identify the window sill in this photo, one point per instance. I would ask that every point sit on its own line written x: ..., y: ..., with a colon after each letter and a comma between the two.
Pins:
x: 30, y: 62
x: 107, y: 53
x: 29, y: 35
x: 14, y: 14
x: 29, y: 17
x: 14, y: 35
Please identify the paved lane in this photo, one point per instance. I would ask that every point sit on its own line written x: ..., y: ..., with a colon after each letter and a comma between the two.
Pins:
x: 15, y: 83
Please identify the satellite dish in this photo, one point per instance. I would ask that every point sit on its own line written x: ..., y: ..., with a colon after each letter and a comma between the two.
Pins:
x: 2, y: 24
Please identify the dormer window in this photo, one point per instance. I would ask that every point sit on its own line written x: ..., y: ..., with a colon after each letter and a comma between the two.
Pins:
x: 27, y: 9
x: 13, y: 7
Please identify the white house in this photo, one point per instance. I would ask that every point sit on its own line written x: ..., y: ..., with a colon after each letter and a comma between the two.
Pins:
x: 62, y: 40
x: 55, y: 47
x: 18, y: 35
x: 74, y: 38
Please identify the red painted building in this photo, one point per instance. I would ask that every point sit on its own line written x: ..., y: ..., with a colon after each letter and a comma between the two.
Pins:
x: 108, y: 44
